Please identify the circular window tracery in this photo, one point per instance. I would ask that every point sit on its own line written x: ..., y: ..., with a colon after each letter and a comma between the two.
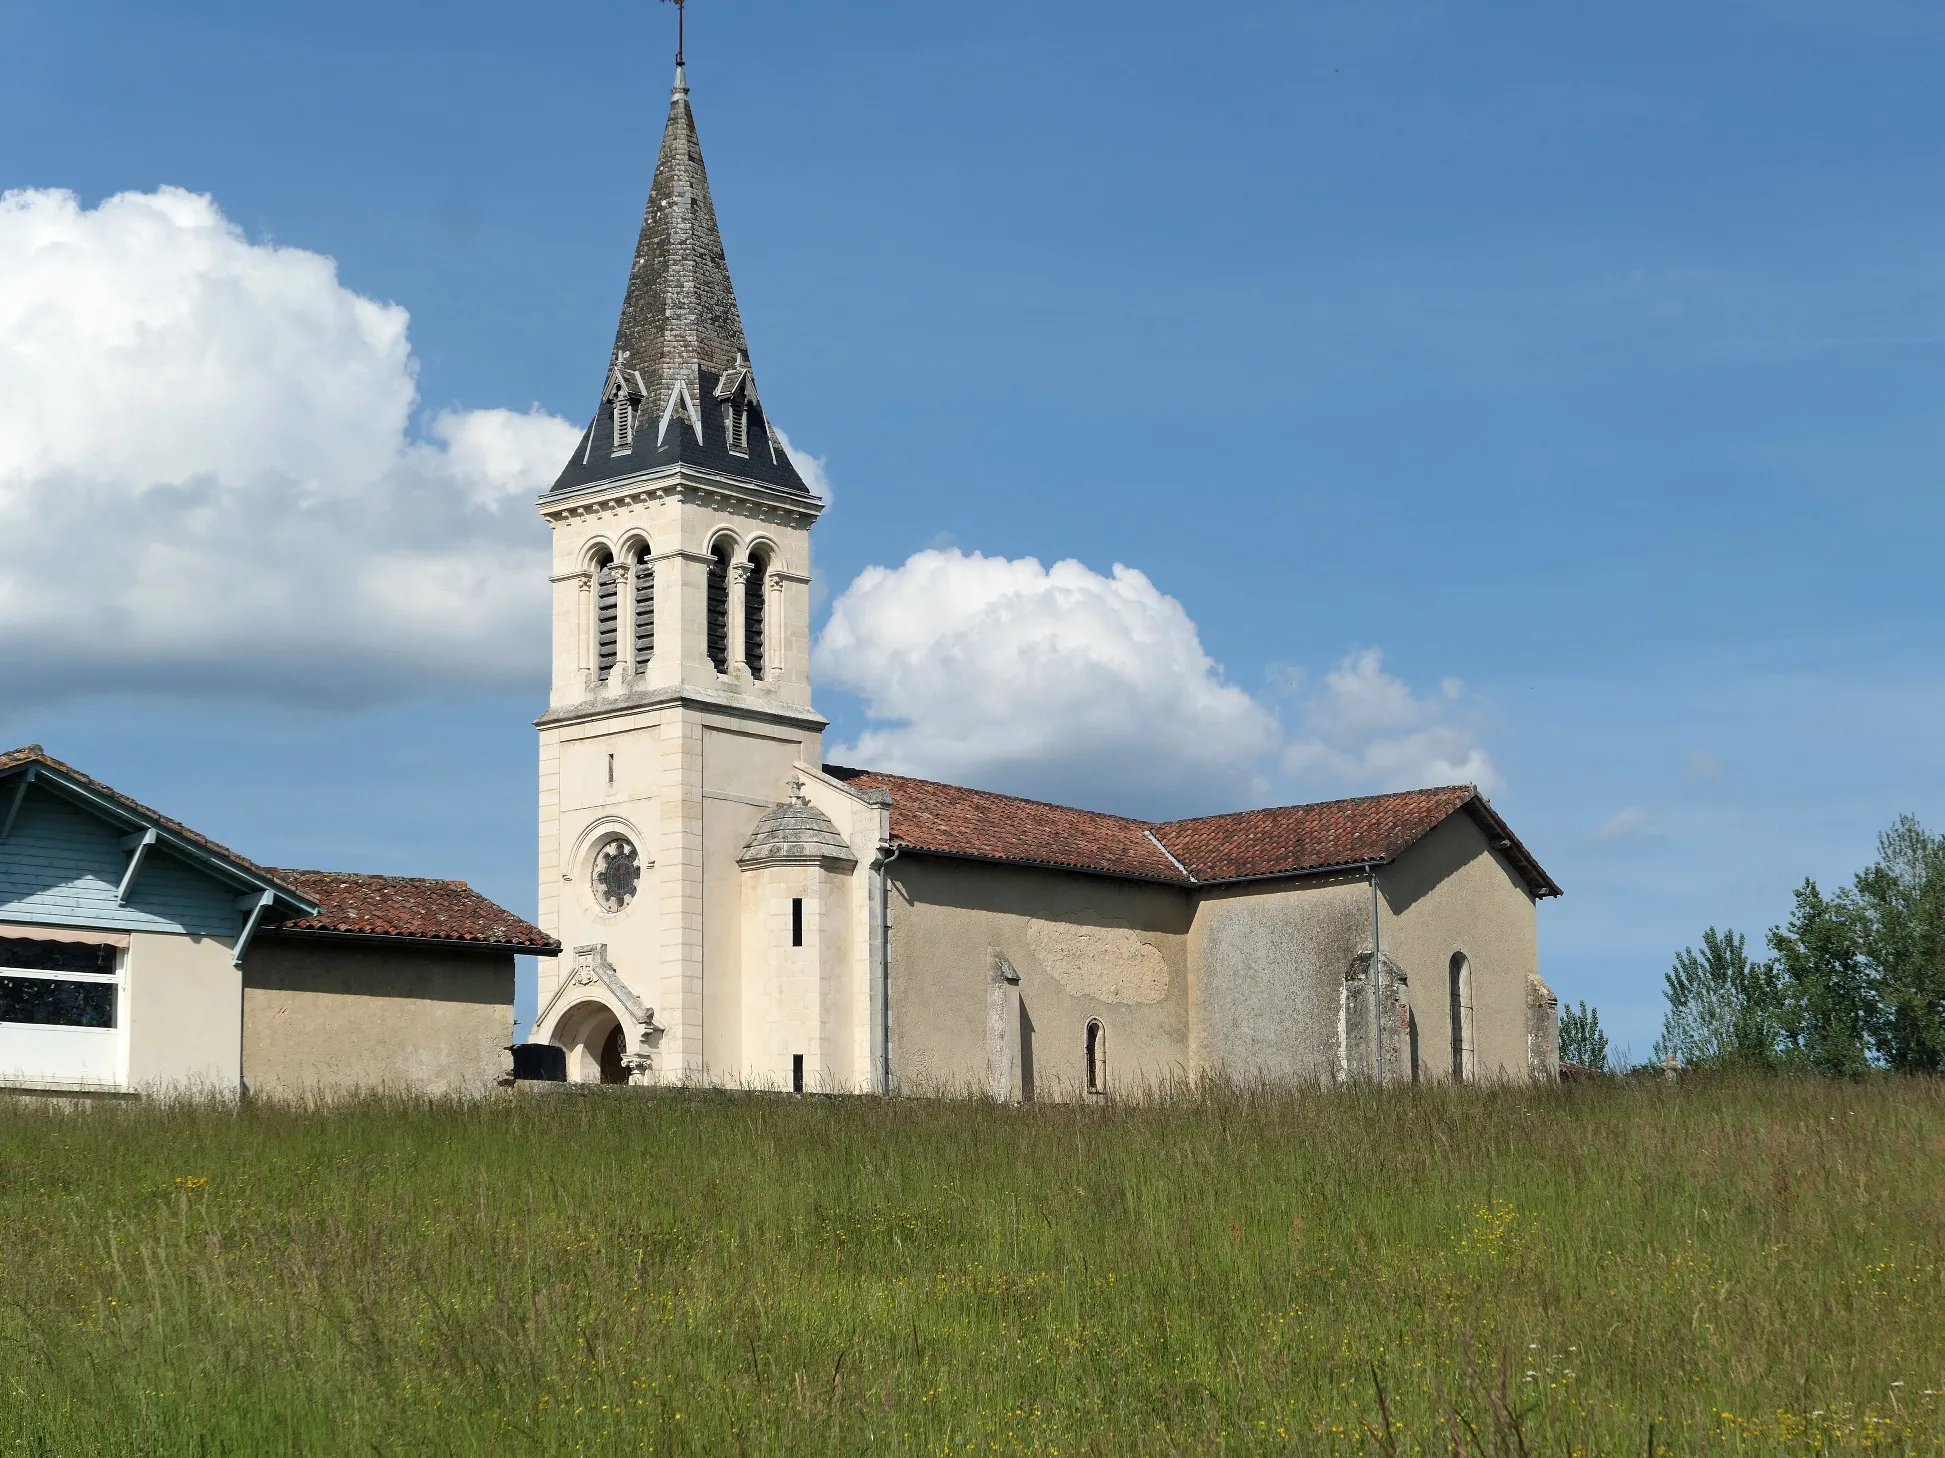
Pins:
x: 616, y: 874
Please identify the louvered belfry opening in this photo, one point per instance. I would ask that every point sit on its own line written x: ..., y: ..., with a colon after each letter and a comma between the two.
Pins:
x: 719, y: 609
x: 644, y: 610
x: 607, y: 618
x: 754, y: 596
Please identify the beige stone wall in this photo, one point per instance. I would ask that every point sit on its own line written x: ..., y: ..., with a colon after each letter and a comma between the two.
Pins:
x: 698, y: 754
x: 1270, y: 964
x: 1453, y: 894
x: 184, y: 1014
x: 327, y: 1017
x: 1082, y: 947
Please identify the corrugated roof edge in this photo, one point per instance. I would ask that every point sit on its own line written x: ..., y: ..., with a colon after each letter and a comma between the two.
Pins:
x: 550, y: 948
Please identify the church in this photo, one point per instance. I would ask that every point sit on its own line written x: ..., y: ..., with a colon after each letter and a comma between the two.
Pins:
x: 734, y: 910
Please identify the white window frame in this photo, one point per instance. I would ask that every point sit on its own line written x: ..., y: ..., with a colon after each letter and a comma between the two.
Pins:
x: 52, y: 1054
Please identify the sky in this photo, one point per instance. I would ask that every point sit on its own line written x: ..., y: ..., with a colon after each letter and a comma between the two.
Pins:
x: 1216, y: 407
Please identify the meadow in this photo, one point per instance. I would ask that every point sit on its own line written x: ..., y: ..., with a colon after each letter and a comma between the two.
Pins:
x: 1710, y: 1266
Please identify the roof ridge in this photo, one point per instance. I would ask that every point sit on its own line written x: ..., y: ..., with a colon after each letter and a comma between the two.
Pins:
x: 840, y: 770
x: 1472, y: 790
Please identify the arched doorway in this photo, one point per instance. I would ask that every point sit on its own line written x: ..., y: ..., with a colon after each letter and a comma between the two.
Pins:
x: 595, y: 1042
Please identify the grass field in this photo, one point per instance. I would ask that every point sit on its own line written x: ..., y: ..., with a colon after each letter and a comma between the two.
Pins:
x: 1735, y: 1267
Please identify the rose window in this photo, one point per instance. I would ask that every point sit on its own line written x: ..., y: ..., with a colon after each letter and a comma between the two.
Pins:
x: 617, y: 873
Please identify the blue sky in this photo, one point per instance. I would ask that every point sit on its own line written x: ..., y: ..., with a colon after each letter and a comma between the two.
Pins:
x: 1589, y: 357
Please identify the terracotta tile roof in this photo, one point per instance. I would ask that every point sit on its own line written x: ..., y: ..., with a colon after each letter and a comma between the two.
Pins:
x: 411, y: 908
x: 1309, y: 837
x: 33, y: 754
x: 950, y: 820
x: 1292, y: 840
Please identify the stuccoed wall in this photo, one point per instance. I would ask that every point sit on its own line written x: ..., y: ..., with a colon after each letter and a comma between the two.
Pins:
x: 323, y: 1017
x: 1270, y: 962
x: 1452, y: 892
x: 1082, y: 947
x: 183, y: 1013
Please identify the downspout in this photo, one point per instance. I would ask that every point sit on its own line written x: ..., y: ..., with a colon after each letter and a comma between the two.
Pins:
x: 1377, y: 977
x: 887, y: 855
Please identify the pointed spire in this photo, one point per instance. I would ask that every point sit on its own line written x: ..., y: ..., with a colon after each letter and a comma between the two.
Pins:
x: 679, y: 317
x: 679, y: 387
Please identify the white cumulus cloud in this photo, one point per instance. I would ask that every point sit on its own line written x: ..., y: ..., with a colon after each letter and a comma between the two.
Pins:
x: 1055, y: 682
x: 1365, y: 727
x: 210, y: 480
x: 1629, y: 824
x: 1064, y: 684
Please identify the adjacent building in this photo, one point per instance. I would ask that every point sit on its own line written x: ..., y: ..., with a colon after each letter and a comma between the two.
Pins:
x: 137, y: 955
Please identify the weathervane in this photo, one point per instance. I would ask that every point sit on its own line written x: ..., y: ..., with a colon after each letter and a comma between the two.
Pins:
x: 680, y: 16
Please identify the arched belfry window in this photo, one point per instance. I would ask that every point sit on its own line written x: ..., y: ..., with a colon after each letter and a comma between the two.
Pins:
x: 607, y: 616
x: 755, y: 627
x: 718, y: 607
x: 1097, y: 1057
x: 1464, y: 1056
x: 644, y: 573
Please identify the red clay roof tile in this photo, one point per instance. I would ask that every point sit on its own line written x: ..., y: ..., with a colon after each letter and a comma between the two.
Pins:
x: 1291, y: 840
x: 951, y: 820
x: 412, y: 908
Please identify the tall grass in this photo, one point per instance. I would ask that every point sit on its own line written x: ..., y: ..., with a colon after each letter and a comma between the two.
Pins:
x: 1734, y: 1267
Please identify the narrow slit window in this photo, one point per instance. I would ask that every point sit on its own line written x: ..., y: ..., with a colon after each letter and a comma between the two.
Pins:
x: 624, y: 422
x: 796, y: 921
x: 718, y: 609
x: 1097, y: 1057
x: 644, y: 611
x: 796, y: 1073
x: 607, y: 618
x: 1463, y: 1057
x: 755, y: 589
x: 611, y: 769
x: 736, y: 428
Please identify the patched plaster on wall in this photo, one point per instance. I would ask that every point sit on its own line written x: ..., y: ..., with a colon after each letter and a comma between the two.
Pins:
x: 1106, y: 962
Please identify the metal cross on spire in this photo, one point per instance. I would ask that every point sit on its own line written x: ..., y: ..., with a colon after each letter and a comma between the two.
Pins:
x: 681, y: 15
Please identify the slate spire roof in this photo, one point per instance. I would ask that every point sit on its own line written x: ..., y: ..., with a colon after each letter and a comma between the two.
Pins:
x: 680, y: 370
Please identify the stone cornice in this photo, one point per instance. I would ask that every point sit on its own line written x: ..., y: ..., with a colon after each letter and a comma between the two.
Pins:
x: 690, y: 483
x: 684, y: 696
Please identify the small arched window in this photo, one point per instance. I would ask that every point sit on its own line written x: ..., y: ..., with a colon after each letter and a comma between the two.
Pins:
x: 755, y: 596
x: 1463, y: 1054
x: 644, y: 608
x: 607, y: 616
x: 718, y: 607
x: 1097, y: 1057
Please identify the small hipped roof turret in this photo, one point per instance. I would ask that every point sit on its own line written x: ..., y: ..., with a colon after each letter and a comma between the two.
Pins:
x: 680, y: 365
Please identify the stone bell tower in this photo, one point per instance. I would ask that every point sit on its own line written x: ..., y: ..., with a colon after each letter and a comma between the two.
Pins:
x: 680, y: 705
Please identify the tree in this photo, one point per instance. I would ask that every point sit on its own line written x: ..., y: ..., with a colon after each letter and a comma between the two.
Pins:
x: 1827, y: 1003
x: 1582, y: 1040
x: 1897, y: 909
x: 1722, y: 1007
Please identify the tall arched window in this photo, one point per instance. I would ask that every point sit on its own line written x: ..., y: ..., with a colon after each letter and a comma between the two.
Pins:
x: 1097, y: 1057
x: 755, y: 595
x: 644, y: 608
x: 718, y: 607
x: 607, y: 616
x: 1463, y: 1056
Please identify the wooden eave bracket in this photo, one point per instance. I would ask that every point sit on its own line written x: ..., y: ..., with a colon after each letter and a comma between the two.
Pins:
x: 137, y: 846
x: 20, y: 795
x: 256, y: 904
